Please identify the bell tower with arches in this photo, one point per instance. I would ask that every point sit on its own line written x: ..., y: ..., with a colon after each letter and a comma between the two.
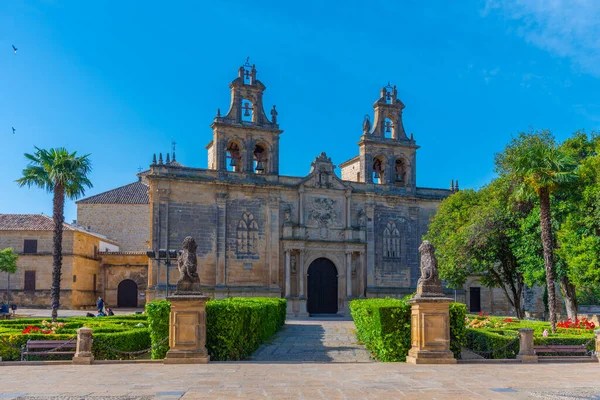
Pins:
x: 245, y: 139
x: 387, y: 155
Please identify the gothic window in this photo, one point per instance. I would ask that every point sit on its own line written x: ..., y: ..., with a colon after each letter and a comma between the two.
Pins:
x: 247, y: 111
x: 234, y: 157
x: 400, y: 172
x: 247, y: 236
x: 391, y: 241
x: 260, y: 159
x: 378, y: 170
x: 388, y: 130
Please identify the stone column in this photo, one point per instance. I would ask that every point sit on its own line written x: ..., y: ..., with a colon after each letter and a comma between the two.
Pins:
x: 301, y: 206
x: 221, y: 237
x: 526, y: 351
x: 348, y: 274
x: 370, y: 245
x: 348, y: 209
x: 301, y: 274
x: 83, y: 353
x: 361, y: 276
x: 430, y: 331
x: 288, y: 274
x: 187, y: 330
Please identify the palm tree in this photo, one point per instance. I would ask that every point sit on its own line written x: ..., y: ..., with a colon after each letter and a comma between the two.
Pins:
x: 63, y: 174
x: 535, y: 159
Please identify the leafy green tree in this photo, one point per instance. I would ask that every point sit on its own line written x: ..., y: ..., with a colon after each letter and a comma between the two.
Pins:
x: 474, y: 234
x: 62, y: 174
x: 535, y: 160
x: 8, y: 264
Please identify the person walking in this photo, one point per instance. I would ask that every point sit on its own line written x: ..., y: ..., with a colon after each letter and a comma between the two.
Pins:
x: 100, y: 304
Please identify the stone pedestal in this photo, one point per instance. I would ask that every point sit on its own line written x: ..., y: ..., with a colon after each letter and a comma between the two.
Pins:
x: 430, y: 331
x: 83, y: 352
x: 526, y: 351
x: 597, y: 349
x: 187, y: 330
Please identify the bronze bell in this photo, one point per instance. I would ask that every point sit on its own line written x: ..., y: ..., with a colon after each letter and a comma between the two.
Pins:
x: 259, y: 166
x: 246, y: 111
x: 388, y: 128
x: 233, y: 162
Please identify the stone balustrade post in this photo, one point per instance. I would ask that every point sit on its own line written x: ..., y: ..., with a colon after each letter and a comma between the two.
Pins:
x: 83, y: 353
x: 526, y: 350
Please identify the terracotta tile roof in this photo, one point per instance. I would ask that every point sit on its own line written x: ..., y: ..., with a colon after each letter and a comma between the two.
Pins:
x: 29, y: 222
x: 134, y: 193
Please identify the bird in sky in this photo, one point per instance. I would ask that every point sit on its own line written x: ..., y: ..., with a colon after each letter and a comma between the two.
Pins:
x: 14, y: 48
x: 14, y: 130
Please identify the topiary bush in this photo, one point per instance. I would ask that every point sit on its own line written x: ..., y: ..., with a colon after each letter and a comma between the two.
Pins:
x: 458, y: 329
x: 383, y: 326
x: 158, y: 321
x: 235, y: 327
x: 484, y: 340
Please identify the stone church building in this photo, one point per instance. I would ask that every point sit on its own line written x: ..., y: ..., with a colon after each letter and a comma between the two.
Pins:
x: 319, y: 240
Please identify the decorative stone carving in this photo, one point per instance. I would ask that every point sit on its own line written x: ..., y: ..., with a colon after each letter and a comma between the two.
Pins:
x: 362, y: 217
x: 366, y: 125
x: 187, y: 262
x: 429, y: 284
x: 287, y: 214
x: 322, y: 210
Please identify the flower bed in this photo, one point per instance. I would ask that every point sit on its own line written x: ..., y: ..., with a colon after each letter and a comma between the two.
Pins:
x: 486, y: 333
x: 582, y: 323
x: 124, y: 332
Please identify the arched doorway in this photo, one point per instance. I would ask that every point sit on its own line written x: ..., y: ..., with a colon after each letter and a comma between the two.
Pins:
x: 322, y: 287
x: 127, y: 294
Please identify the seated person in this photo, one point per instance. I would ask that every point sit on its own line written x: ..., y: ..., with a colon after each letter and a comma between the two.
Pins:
x: 101, y: 314
x: 90, y: 315
x: 109, y: 312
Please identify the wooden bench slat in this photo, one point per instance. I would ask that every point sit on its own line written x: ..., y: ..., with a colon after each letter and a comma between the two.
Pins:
x: 49, y: 345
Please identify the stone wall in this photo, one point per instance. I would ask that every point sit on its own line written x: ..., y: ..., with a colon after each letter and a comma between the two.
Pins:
x: 127, y: 224
x: 351, y: 172
x: 117, y: 267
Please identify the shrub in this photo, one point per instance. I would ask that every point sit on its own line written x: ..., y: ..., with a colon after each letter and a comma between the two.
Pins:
x: 458, y: 330
x: 158, y: 321
x: 132, y: 340
x: 235, y: 327
x: 383, y: 326
x: 486, y: 340
x: 566, y: 340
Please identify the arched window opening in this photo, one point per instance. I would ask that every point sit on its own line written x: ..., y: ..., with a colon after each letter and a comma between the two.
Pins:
x: 234, y: 157
x: 247, y: 110
x: 388, y: 128
x: 400, y: 172
x: 260, y: 159
x: 391, y: 241
x: 378, y: 171
x: 247, y: 236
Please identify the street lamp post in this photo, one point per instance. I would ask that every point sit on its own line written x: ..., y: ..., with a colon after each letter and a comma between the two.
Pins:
x: 165, y: 256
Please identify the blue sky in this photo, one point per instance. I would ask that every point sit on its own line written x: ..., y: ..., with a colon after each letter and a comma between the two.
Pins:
x: 121, y: 80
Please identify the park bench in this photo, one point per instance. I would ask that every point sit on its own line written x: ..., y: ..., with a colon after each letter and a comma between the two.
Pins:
x: 46, y: 347
x: 561, y: 348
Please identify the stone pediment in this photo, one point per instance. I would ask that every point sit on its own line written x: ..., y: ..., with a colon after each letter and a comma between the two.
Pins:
x: 322, y: 175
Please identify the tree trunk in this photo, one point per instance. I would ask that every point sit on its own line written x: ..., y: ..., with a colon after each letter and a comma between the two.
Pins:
x: 58, y: 218
x: 545, y: 221
x: 568, y: 291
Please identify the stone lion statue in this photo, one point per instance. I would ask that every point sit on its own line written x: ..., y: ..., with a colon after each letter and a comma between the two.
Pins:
x: 429, y: 284
x: 189, y: 281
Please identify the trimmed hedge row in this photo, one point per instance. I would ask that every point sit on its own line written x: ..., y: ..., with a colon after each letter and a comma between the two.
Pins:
x: 235, y: 327
x: 487, y: 340
x: 383, y: 326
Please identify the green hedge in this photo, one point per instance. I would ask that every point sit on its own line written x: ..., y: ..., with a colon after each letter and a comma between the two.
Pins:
x: 383, y: 325
x: 458, y: 329
x: 158, y: 321
x: 486, y: 340
x: 235, y: 327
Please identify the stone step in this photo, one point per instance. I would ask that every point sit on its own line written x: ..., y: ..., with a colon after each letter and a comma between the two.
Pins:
x: 567, y: 359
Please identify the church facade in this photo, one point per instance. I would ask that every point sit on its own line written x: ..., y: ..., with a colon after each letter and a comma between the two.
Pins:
x: 319, y: 240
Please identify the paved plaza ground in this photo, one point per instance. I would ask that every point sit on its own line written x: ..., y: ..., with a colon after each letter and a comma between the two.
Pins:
x: 308, y: 359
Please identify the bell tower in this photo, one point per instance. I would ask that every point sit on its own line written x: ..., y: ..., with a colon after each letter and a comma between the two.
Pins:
x: 387, y: 154
x: 245, y: 140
